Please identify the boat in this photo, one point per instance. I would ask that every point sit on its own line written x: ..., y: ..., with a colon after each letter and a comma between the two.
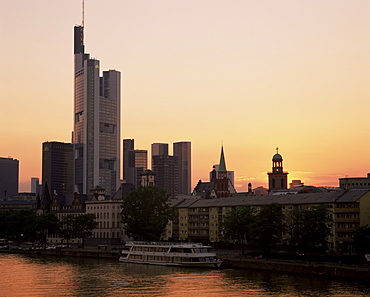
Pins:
x: 169, y: 254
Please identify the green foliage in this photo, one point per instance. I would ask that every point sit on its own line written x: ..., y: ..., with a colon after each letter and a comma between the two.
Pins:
x: 25, y: 225
x: 83, y: 225
x: 238, y: 225
x: 309, y: 228
x: 361, y: 240
x: 269, y: 227
x: 146, y: 212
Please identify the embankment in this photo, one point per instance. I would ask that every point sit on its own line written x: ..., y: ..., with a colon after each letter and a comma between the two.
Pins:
x: 310, y: 268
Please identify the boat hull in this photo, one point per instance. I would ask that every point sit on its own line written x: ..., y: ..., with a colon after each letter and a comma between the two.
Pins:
x: 213, y: 264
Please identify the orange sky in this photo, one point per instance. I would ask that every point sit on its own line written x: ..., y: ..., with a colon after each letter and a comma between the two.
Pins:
x: 252, y: 75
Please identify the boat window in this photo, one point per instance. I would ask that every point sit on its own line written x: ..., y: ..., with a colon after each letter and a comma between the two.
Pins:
x: 196, y: 250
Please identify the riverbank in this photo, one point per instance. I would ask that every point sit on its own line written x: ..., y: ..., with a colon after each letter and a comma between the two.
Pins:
x: 322, y: 269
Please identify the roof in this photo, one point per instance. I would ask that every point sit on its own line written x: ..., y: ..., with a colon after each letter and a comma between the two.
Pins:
x: 222, y: 165
x: 342, y: 196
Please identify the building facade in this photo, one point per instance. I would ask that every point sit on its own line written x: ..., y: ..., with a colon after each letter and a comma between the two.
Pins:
x: 9, y: 178
x: 58, y: 167
x: 182, y: 150
x: 166, y: 170
x: 96, y: 135
x: 353, y: 182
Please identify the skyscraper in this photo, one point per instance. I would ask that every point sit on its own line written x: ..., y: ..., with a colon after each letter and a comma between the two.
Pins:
x: 96, y: 135
x: 57, y: 167
x: 9, y: 177
x: 182, y: 150
x: 128, y: 145
x: 166, y: 170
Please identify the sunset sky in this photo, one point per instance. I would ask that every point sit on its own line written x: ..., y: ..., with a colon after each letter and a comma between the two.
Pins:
x: 253, y: 75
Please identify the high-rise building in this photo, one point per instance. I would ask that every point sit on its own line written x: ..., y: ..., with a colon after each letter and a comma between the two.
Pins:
x: 96, y: 135
x: 57, y: 167
x: 9, y: 177
x: 138, y: 163
x: 159, y: 149
x: 128, y: 145
x: 182, y: 150
x: 166, y: 170
x: 35, y: 185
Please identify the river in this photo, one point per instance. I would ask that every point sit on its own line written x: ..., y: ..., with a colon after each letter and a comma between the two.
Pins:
x: 23, y: 275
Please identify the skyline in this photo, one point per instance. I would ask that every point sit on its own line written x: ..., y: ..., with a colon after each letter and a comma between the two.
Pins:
x: 251, y: 75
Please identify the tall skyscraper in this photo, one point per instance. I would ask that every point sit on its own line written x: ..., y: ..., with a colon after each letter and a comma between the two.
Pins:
x: 57, y: 167
x: 96, y: 135
x: 182, y: 150
x: 159, y: 149
x: 9, y: 177
x: 138, y: 162
x: 166, y: 170
x: 128, y: 145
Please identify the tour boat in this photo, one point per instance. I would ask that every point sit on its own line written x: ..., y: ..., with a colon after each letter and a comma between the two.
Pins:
x: 169, y: 254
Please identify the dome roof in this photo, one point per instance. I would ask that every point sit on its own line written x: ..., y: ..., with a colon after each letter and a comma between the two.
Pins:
x: 277, y: 158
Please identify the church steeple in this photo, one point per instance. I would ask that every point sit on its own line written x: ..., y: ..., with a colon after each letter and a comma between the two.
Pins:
x: 278, y: 179
x: 222, y: 179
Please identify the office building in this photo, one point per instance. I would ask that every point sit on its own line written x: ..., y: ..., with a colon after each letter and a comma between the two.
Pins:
x: 182, y: 150
x: 58, y: 167
x: 96, y: 135
x: 166, y: 170
x: 9, y: 178
x: 159, y: 149
x: 35, y: 185
x: 128, y: 145
x: 138, y: 163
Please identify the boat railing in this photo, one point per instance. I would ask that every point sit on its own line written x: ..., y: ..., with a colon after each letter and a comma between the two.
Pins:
x: 187, y: 244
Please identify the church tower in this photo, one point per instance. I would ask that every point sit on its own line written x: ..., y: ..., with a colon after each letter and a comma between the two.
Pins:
x: 222, y: 181
x: 278, y: 179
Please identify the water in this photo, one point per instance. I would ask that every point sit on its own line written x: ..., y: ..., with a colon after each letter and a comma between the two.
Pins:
x: 23, y: 275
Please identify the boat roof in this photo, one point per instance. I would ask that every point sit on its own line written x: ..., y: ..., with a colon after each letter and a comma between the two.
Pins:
x: 166, y: 244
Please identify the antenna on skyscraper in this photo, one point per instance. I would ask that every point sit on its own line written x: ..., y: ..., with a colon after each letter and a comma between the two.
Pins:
x: 83, y: 13
x: 83, y: 22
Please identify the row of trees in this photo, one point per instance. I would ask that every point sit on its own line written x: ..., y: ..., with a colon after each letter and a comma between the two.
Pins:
x: 25, y: 225
x: 308, y: 229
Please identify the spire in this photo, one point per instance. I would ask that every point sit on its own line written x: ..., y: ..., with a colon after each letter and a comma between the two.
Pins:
x: 222, y: 165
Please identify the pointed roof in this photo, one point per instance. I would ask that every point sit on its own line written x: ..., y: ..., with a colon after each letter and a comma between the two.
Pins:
x: 222, y: 165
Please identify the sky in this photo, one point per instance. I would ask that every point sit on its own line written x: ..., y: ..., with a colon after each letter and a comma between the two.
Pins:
x: 248, y: 75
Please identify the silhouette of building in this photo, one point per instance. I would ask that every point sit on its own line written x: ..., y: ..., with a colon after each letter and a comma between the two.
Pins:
x: 354, y: 182
x: 134, y: 162
x: 219, y: 185
x: 57, y: 167
x: 9, y: 178
x: 96, y: 135
x: 166, y: 170
x: 278, y: 179
x: 159, y: 149
x: 182, y: 150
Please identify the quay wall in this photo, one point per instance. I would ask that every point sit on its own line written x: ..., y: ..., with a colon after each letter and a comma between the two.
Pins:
x: 310, y: 268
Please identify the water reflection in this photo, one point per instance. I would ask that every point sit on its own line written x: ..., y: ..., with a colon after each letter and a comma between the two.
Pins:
x: 37, y: 276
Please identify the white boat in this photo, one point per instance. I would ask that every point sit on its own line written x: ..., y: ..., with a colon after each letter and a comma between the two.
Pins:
x: 169, y: 254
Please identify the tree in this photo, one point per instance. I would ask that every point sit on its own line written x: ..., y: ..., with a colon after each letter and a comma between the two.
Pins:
x: 146, y: 212
x: 361, y: 239
x: 66, y: 228
x: 238, y: 225
x: 46, y: 224
x: 269, y: 226
x: 309, y: 228
x: 83, y: 225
